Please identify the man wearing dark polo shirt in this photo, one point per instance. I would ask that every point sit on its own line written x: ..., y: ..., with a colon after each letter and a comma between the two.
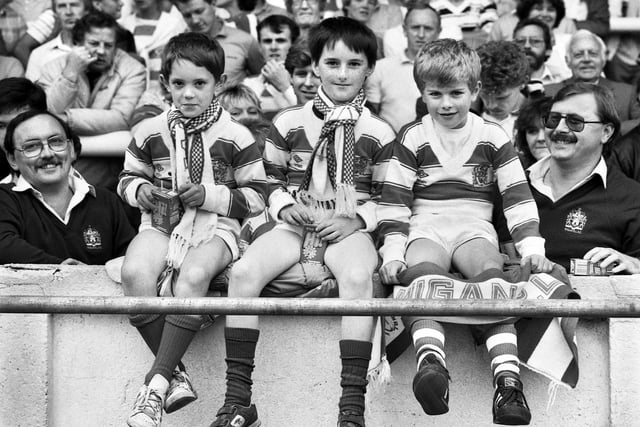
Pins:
x: 587, y: 210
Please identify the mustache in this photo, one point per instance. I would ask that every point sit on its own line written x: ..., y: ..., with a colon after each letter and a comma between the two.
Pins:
x: 563, y: 137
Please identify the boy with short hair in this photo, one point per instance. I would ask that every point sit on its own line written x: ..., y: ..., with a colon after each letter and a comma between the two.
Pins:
x: 321, y: 160
x: 214, y: 166
x: 436, y: 207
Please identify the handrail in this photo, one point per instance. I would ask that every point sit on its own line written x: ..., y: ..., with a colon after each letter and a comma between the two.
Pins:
x: 624, y: 307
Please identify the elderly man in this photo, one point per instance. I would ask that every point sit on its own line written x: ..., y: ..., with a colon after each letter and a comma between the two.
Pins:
x: 242, y: 54
x: 587, y: 210
x: 391, y: 88
x: 51, y: 215
x: 586, y: 57
x: 276, y: 34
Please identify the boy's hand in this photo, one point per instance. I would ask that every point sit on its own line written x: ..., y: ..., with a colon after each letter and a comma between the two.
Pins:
x: 191, y: 195
x: 608, y: 256
x: 145, y: 198
x: 539, y: 263
x: 337, y: 228
x: 296, y: 214
x: 390, y: 271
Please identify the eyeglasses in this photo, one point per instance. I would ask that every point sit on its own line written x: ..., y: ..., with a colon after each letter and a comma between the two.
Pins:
x: 298, y: 3
x: 522, y: 42
x: 34, y: 147
x: 574, y: 122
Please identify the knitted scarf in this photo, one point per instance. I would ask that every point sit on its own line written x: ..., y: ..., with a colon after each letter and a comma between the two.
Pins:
x: 336, y: 143
x: 191, y: 163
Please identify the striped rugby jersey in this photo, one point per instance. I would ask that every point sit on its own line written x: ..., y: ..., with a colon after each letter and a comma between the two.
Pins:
x: 423, y: 178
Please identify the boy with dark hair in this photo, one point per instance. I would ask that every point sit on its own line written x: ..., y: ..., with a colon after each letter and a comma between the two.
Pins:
x: 436, y: 210
x: 214, y: 166
x: 321, y: 160
x: 504, y: 75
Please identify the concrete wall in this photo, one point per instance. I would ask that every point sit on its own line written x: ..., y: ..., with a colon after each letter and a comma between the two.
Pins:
x: 85, y: 370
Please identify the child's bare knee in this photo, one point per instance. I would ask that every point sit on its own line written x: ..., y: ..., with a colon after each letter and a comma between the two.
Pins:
x: 244, y: 279
x: 356, y: 282
x: 193, y: 279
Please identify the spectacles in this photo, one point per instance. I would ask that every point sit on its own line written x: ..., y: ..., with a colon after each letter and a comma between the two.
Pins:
x: 34, y: 147
x: 574, y: 122
x: 298, y: 3
x: 522, y: 42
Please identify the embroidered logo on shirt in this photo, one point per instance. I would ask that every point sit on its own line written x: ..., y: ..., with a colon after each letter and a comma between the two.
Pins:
x: 483, y: 175
x: 92, y: 238
x: 360, y: 166
x: 297, y: 161
x: 576, y: 221
x: 221, y: 171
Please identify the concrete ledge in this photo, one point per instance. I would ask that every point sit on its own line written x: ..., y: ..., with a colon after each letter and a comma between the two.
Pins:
x: 85, y: 370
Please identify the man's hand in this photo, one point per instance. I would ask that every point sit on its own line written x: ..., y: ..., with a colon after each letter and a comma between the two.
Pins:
x: 296, y: 214
x: 337, y: 228
x: 390, y: 271
x: 145, y: 198
x: 77, y: 62
x: 608, y: 256
x: 539, y: 263
x: 192, y: 195
x: 275, y: 73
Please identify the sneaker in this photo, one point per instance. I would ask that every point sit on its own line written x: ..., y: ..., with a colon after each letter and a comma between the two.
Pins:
x: 147, y: 411
x: 180, y: 392
x: 509, y: 404
x: 232, y: 415
x: 350, y: 419
x: 431, y: 386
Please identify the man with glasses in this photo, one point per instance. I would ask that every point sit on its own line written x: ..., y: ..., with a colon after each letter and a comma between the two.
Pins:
x: 51, y: 215
x: 586, y: 57
x: 587, y: 209
x: 534, y: 37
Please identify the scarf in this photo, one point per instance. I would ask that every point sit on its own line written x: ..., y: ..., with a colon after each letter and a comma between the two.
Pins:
x: 336, y: 142
x: 191, y: 163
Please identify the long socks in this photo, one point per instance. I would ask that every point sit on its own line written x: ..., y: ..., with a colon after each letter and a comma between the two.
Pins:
x: 428, y: 338
x: 241, y: 348
x: 150, y: 327
x: 355, y: 356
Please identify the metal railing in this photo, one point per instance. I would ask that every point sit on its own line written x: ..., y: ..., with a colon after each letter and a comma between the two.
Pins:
x: 625, y: 307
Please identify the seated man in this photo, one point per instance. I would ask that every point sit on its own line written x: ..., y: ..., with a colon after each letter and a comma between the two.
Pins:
x: 242, y: 55
x: 18, y: 95
x: 391, y: 87
x: 95, y: 89
x: 67, y: 12
x: 587, y: 209
x: 276, y: 34
x: 51, y: 215
x: 586, y: 56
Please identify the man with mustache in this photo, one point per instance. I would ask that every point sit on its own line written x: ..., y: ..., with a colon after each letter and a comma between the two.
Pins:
x: 587, y: 209
x: 94, y: 89
x: 586, y: 57
x: 534, y: 37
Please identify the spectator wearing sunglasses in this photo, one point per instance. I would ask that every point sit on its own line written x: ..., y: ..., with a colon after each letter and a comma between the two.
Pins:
x: 51, y: 215
x: 587, y: 209
x: 586, y: 57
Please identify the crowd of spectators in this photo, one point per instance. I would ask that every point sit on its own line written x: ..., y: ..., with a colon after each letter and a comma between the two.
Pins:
x: 79, y: 78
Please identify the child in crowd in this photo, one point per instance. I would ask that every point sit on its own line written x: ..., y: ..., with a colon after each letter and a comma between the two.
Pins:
x: 298, y: 63
x: 321, y: 164
x: 436, y: 208
x: 504, y: 76
x: 530, y: 141
x: 215, y: 168
x: 241, y: 102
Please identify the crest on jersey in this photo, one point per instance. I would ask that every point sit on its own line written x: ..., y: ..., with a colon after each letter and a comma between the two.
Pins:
x: 576, y: 220
x: 92, y: 238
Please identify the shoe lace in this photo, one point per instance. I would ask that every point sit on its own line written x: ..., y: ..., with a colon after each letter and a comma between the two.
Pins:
x: 509, y: 396
x: 149, y: 404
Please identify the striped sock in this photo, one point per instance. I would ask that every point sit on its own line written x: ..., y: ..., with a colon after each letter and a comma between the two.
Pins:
x: 502, y: 344
x: 428, y: 338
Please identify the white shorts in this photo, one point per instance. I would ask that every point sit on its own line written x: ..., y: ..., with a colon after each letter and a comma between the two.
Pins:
x: 450, y: 231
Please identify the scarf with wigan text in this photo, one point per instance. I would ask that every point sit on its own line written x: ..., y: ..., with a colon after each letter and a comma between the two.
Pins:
x: 337, y: 141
